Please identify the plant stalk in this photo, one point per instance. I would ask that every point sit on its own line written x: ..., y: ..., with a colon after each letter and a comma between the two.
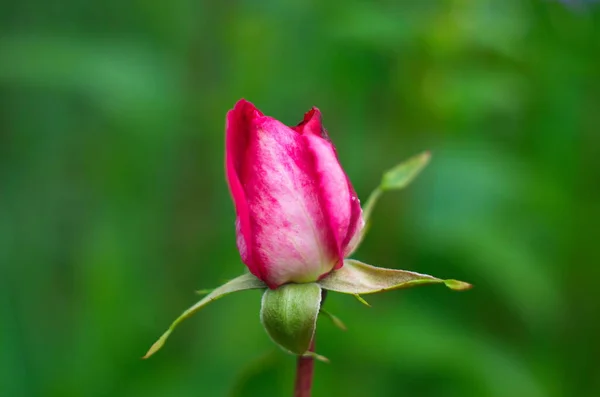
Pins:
x: 304, y: 373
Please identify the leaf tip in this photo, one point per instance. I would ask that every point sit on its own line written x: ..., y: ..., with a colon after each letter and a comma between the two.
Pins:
x: 404, y: 173
x: 457, y: 285
x: 157, y: 345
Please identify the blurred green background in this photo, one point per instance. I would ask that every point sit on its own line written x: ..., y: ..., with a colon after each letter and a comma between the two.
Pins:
x: 114, y: 207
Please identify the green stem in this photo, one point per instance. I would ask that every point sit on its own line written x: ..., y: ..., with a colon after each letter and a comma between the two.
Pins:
x: 370, y: 204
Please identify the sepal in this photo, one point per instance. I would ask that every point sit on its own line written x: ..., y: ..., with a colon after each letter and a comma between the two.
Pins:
x: 289, y: 315
x: 243, y: 282
x: 359, y: 278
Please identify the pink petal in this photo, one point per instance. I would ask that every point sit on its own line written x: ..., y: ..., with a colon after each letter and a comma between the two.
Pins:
x: 292, y: 236
x: 355, y: 226
x: 297, y: 213
x: 237, y: 136
x: 340, y: 199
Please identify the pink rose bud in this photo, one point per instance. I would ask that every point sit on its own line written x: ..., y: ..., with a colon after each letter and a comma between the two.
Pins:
x: 297, y: 213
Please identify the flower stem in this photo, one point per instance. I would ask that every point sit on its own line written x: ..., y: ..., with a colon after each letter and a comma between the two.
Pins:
x: 304, y: 373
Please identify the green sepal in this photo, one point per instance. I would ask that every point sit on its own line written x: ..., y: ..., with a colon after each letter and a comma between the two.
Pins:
x: 289, y: 315
x: 359, y: 278
x: 243, y: 282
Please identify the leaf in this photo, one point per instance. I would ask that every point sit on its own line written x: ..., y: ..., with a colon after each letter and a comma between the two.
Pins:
x: 243, y: 282
x: 289, y: 315
x: 404, y: 173
x: 359, y: 278
x: 395, y: 179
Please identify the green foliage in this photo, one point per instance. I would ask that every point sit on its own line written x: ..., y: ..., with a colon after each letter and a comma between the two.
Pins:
x: 289, y: 315
x: 401, y: 175
x: 396, y: 179
x: 114, y: 208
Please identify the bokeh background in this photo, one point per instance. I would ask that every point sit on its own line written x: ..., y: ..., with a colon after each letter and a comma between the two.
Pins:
x: 114, y: 207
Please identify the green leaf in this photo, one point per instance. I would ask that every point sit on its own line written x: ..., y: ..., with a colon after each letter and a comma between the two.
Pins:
x: 289, y: 315
x: 359, y: 278
x: 404, y: 173
x: 243, y: 282
x: 395, y: 179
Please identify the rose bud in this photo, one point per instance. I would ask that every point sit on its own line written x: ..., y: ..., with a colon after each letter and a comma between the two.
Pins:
x: 297, y: 213
x: 298, y: 217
